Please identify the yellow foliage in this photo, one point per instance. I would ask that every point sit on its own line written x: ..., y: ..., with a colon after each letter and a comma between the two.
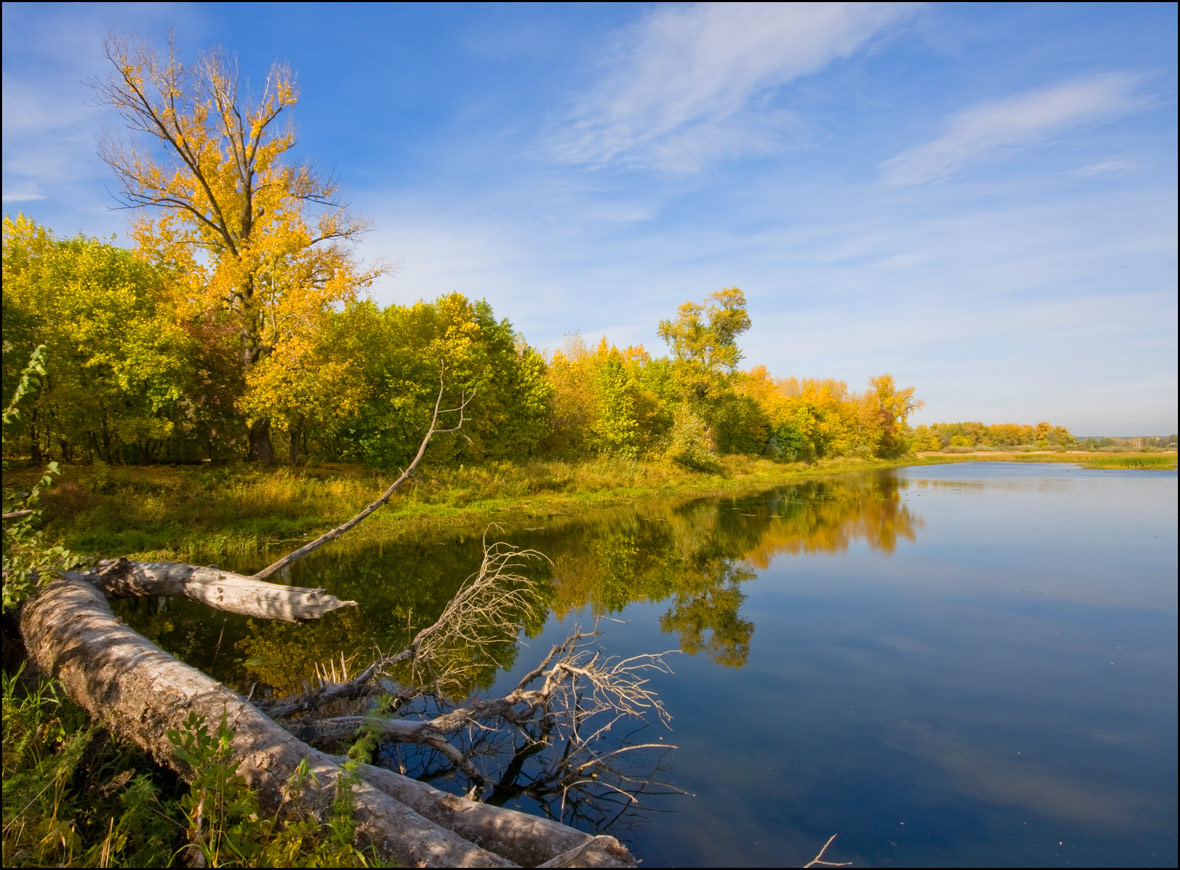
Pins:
x: 242, y: 230
x: 249, y: 237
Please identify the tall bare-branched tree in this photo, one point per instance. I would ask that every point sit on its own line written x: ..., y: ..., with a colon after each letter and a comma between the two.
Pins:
x: 250, y: 236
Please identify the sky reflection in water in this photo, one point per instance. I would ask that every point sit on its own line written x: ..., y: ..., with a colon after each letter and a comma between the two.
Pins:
x: 960, y: 665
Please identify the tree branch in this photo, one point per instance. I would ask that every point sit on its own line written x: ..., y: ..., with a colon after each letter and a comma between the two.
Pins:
x: 818, y: 861
x: 295, y: 556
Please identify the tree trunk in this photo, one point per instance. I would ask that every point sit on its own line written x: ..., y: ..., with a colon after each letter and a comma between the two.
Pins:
x: 140, y: 692
x: 296, y: 443
x: 260, y: 449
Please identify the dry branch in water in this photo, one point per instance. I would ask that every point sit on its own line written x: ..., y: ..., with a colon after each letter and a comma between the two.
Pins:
x: 818, y: 861
x: 294, y: 556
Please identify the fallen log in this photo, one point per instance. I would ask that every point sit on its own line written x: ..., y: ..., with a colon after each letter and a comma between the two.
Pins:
x: 140, y: 692
x: 221, y: 590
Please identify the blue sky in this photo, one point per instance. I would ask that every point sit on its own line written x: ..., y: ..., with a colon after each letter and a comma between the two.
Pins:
x: 978, y: 199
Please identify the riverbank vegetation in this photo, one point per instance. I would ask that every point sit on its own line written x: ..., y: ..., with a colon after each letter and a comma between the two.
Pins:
x: 201, y: 512
x: 191, y: 512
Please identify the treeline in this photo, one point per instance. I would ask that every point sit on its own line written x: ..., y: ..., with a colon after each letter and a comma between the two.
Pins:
x: 1043, y: 436
x: 1138, y: 442
x: 138, y: 370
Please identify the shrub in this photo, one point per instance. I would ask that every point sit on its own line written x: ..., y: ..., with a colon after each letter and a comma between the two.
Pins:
x: 689, y: 443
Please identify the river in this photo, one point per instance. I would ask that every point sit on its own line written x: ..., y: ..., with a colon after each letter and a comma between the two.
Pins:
x: 961, y: 665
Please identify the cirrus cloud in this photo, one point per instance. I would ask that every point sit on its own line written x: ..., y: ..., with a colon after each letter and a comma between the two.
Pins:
x: 677, y: 91
x: 1023, y: 119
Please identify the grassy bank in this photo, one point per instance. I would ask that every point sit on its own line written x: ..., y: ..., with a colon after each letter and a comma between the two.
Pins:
x: 1157, y: 461
x: 189, y: 512
x: 1089, y: 459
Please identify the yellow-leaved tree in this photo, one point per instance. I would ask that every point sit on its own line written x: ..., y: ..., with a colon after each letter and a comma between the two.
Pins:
x: 254, y: 241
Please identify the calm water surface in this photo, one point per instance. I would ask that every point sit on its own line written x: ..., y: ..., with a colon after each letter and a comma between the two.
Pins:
x: 965, y: 665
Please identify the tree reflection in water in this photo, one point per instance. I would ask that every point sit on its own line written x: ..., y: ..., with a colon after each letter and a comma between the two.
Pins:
x: 691, y: 557
x: 695, y: 556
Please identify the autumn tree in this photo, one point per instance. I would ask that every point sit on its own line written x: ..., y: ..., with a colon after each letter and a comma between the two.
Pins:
x: 885, y: 412
x: 255, y: 240
x: 703, y: 338
x: 608, y: 401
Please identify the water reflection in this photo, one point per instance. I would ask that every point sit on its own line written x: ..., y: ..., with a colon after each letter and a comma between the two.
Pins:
x: 693, y: 557
x: 696, y: 556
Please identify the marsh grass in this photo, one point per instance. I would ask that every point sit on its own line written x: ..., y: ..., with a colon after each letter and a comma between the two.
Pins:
x: 1158, y: 461
x: 197, y: 512
x: 1090, y: 459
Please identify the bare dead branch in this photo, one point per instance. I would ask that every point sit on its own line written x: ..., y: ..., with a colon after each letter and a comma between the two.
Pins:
x: 335, y: 533
x: 485, y: 611
x: 818, y: 861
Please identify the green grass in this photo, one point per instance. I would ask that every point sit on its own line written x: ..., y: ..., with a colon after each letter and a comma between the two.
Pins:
x: 1090, y: 459
x: 1156, y: 461
x: 192, y: 512
x: 74, y: 797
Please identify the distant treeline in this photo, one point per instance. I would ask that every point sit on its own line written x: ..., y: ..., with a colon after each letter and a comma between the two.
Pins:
x: 1042, y: 436
x: 141, y: 369
x: 939, y: 436
x: 1138, y: 442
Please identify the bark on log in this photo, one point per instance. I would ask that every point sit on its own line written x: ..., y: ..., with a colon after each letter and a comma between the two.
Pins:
x: 530, y: 841
x: 140, y: 692
x: 222, y: 590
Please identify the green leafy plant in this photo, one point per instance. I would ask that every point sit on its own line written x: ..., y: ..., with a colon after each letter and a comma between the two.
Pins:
x: 73, y: 797
x: 28, y: 556
x: 224, y: 821
x: 221, y: 809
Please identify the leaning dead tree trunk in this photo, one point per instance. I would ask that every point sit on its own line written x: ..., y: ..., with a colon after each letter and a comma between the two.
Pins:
x: 140, y: 693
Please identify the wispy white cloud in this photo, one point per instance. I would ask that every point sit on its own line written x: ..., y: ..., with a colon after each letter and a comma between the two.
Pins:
x: 1106, y: 167
x: 21, y: 196
x: 676, y: 91
x: 987, y: 128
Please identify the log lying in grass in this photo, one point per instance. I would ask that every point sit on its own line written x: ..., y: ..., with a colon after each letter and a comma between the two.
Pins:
x: 140, y: 692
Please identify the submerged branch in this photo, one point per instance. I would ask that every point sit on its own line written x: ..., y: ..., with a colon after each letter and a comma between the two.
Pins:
x: 485, y: 611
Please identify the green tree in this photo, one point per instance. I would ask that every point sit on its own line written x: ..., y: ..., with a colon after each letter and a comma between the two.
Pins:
x: 397, y: 354
x: 615, y: 430
x: 119, y: 379
x: 703, y: 338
